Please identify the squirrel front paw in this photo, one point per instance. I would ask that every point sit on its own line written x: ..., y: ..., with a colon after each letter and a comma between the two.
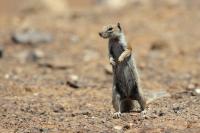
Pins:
x: 120, y: 59
x: 112, y: 62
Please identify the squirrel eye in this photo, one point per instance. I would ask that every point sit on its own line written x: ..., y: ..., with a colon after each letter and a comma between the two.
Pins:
x: 109, y: 29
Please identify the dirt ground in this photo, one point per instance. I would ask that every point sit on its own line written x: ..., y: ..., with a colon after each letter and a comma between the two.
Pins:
x: 66, y: 85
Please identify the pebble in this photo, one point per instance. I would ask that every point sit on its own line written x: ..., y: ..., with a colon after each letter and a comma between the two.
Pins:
x: 158, y: 45
x: 74, y: 81
x: 191, y: 86
x: 196, y: 92
x: 113, y: 4
x: 118, y: 127
x: 30, y: 56
x: 126, y: 127
x: 161, y: 113
x: 82, y: 112
x: 177, y: 110
x: 58, y: 108
x: 38, y: 130
x: 32, y: 37
x: 74, y: 77
x: 55, y: 64
x: 7, y: 76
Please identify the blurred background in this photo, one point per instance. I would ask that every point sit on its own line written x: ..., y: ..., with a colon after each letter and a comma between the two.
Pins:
x: 55, y: 74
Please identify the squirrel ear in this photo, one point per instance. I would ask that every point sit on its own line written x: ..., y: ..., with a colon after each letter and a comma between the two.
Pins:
x: 119, y: 26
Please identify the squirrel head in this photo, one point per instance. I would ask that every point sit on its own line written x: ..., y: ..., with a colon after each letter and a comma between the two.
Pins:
x: 111, y: 31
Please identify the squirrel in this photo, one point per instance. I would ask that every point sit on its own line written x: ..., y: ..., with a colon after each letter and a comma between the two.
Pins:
x: 126, y: 84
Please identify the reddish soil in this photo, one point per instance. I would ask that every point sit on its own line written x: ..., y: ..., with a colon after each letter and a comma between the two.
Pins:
x: 36, y: 98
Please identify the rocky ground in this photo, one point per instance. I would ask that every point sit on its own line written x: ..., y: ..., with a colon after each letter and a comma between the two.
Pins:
x: 55, y: 76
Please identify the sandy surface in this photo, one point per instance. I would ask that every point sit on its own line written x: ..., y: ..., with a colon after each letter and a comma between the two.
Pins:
x: 35, y: 96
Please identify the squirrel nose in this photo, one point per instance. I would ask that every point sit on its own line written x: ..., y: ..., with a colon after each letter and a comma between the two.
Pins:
x: 100, y: 34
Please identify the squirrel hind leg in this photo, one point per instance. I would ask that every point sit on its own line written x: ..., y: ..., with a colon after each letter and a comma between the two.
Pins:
x: 142, y: 101
x: 116, y: 104
x: 115, y: 99
x: 123, y: 106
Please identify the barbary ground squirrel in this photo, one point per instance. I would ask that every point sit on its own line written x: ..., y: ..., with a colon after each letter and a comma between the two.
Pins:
x: 126, y: 86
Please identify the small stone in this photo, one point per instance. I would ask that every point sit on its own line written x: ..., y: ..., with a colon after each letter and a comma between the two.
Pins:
x: 161, y: 113
x: 30, y: 56
x: 158, y: 45
x: 177, y: 110
x: 28, y: 89
x: 56, y: 64
x: 196, y: 92
x: 11, y: 76
x: 76, y: 82
x: 154, y: 116
x: 58, y: 108
x: 39, y: 53
x: 144, y: 114
x: 130, y: 124
x: 191, y: 86
x: 73, y: 81
x: 73, y: 84
x: 126, y: 127
x: 35, y: 94
x: 118, y: 127
x: 83, y: 112
x: 7, y: 76
x: 74, y: 77
x: 32, y: 37
x: 39, y: 130
x: 113, y: 4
